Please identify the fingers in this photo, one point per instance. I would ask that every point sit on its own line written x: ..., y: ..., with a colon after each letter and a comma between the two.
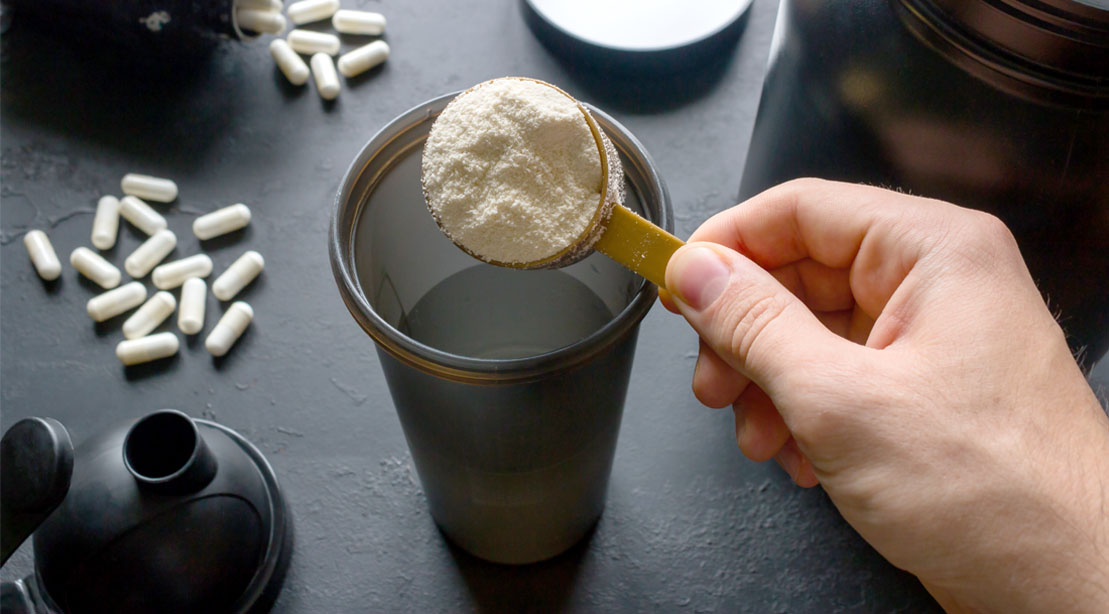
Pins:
x: 747, y: 318
x: 667, y: 301
x: 762, y: 434
x: 715, y: 383
x: 877, y: 234
x: 797, y: 465
x: 851, y: 324
x: 806, y: 218
x: 759, y: 429
x: 819, y: 286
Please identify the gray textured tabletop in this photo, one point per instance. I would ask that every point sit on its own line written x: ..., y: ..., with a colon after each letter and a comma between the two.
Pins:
x: 690, y: 525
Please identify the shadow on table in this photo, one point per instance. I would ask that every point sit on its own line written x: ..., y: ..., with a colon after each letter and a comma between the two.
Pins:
x: 133, y: 101
x: 539, y: 587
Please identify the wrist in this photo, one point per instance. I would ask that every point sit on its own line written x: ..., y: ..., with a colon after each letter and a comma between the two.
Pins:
x: 1042, y: 543
x: 1074, y: 572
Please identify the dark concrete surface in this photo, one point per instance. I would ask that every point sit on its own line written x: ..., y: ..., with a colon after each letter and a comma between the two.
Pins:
x: 690, y: 525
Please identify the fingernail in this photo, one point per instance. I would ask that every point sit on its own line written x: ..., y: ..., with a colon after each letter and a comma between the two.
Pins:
x: 790, y: 460
x: 700, y: 276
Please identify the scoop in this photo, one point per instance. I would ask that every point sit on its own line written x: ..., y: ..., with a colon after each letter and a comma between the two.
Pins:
x: 613, y: 229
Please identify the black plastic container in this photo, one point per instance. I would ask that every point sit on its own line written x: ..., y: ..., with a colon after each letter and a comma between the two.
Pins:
x: 1000, y: 105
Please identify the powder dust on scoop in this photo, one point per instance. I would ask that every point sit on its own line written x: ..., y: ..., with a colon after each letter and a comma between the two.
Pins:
x: 512, y: 174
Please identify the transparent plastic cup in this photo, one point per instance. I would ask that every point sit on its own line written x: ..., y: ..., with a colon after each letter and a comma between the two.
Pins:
x: 509, y: 384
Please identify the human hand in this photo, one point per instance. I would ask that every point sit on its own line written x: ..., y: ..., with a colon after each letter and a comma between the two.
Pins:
x: 895, y: 350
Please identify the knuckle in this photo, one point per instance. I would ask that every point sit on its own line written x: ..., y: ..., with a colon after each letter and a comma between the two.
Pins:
x: 990, y: 233
x: 755, y: 315
x: 817, y: 425
x: 794, y: 189
x: 805, y: 183
x: 991, y: 226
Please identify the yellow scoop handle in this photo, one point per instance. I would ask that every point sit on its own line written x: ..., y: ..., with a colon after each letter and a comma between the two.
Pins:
x: 638, y: 244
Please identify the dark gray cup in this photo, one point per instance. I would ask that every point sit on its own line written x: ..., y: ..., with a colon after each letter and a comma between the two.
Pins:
x: 509, y: 384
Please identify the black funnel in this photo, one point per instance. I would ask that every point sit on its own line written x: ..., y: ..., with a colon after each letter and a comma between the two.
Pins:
x: 166, y: 453
x: 165, y: 514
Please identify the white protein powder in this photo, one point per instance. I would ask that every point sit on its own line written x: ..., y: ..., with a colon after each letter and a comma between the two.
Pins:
x: 512, y: 172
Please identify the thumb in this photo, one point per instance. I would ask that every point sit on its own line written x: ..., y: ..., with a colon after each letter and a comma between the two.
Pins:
x: 749, y: 319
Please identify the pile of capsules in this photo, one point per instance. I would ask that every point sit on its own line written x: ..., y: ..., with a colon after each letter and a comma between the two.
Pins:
x: 139, y: 345
x: 265, y: 16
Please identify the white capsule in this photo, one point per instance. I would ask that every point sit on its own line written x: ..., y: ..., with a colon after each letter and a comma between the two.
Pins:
x: 105, y: 225
x: 307, y: 11
x: 262, y: 5
x: 190, y: 318
x: 152, y: 313
x: 42, y: 255
x: 238, y: 275
x: 363, y: 58
x: 149, y: 188
x: 327, y: 80
x: 223, y: 221
x: 358, y: 22
x: 141, y: 215
x: 146, y: 349
x: 173, y: 274
x: 150, y: 253
x: 309, y: 42
x: 294, y: 68
x: 92, y: 265
x: 261, y: 21
x: 229, y: 328
x: 114, y: 302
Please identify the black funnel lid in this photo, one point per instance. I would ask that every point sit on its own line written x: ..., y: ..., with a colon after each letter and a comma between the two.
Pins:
x: 166, y: 514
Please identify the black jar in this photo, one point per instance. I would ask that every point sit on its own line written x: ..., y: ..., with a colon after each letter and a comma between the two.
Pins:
x: 159, y: 28
x: 1000, y: 105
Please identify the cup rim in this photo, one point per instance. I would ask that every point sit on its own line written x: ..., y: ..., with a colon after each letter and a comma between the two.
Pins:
x: 468, y: 369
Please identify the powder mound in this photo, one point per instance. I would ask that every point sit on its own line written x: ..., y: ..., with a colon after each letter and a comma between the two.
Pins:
x: 511, y: 171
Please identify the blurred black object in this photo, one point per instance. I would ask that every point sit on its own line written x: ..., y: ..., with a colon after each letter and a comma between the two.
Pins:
x: 1000, y: 105
x: 36, y: 464
x: 165, y: 29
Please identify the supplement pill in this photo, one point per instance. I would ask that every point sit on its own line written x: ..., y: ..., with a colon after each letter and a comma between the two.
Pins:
x: 228, y: 219
x: 105, y: 225
x: 152, y: 313
x: 91, y: 265
x: 190, y: 318
x: 150, y: 253
x: 327, y: 81
x: 263, y: 22
x: 309, y: 42
x: 238, y: 275
x: 114, y: 302
x: 141, y: 215
x: 358, y: 22
x: 262, y: 5
x: 42, y: 255
x: 229, y: 328
x: 307, y: 11
x: 363, y: 58
x: 149, y: 188
x: 173, y: 274
x: 146, y: 349
x: 294, y: 68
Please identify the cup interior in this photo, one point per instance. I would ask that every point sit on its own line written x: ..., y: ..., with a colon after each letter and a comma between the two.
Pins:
x: 417, y: 293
